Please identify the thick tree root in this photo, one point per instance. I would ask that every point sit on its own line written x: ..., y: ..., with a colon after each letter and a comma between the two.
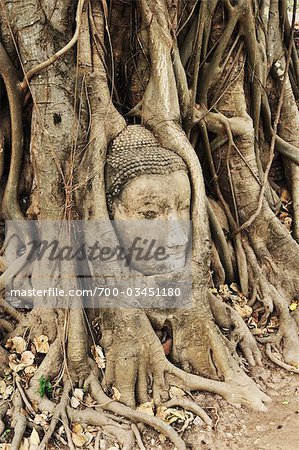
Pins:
x: 240, y: 390
x: 226, y: 317
x: 237, y: 389
x: 134, y: 415
x: 10, y: 310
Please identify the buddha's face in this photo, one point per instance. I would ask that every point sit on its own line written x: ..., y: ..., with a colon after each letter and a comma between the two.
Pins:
x: 155, y: 208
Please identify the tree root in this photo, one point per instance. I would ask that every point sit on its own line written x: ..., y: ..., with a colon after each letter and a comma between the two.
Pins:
x: 6, y: 326
x: 272, y: 297
x: 37, y: 324
x: 137, y: 437
x: 227, y: 317
x: 24, y: 397
x: 239, y: 389
x: 19, y: 421
x: 135, y: 416
x: 277, y: 361
x: 13, y: 270
x: 189, y: 405
x: 3, y: 411
x: 10, y: 205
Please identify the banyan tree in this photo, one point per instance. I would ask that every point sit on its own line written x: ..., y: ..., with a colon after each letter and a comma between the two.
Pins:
x: 148, y: 109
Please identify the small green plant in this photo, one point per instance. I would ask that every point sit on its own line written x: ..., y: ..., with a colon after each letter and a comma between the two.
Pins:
x: 45, y: 386
x: 5, y: 435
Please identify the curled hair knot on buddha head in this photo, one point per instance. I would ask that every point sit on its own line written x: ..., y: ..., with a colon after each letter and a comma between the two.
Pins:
x: 135, y: 152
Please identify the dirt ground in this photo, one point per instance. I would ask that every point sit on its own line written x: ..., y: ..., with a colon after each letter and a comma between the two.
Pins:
x: 234, y: 428
x: 240, y: 428
x: 277, y: 429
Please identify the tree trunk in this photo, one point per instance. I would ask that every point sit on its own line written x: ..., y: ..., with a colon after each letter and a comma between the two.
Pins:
x: 214, y: 82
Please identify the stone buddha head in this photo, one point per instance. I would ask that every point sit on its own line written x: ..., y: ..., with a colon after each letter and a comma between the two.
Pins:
x: 148, y: 196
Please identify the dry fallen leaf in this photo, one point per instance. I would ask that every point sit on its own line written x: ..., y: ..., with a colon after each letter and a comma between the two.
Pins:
x: 34, y: 440
x: 147, y: 408
x: 78, y: 439
x: 99, y: 357
x: 89, y: 437
x: 79, y: 394
x: 176, y: 392
x: 77, y: 397
x: 40, y: 419
x: 293, y: 306
x: 78, y: 436
x: 161, y: 412
x: 8, y: 392
x: 27, y: 359
x: 116, y: 394
x: 13, y: 362
x: 41, y: 344
x: 224, y: 290
x: 162, y: 438
x: 244, y: 311
x: 2, y: 387
x: 74, y: 402
x: 17, y: 344
x: 77, y: 428
x: 30, y: 370
x: 172, y: 415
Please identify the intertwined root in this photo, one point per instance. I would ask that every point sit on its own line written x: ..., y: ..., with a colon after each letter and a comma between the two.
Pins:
x: 119, y: 426
x: 27, y: 402
x: 134, y: 356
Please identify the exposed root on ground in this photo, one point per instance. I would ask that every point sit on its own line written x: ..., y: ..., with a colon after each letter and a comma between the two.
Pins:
x: 277, y: 361
x: 112, y: 417
x: 270, y: 294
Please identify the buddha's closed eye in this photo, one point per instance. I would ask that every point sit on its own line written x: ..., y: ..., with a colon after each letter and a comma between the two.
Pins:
x: 149, y: 214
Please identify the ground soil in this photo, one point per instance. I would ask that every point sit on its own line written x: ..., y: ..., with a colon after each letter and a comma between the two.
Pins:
x: 238, y: 428
x: 233, y: 428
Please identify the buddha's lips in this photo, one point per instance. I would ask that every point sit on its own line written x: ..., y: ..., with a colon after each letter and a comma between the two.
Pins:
x: 178, y: 254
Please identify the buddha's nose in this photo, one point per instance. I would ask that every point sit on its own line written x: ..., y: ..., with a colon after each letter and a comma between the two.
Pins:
x: 177, y: 232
